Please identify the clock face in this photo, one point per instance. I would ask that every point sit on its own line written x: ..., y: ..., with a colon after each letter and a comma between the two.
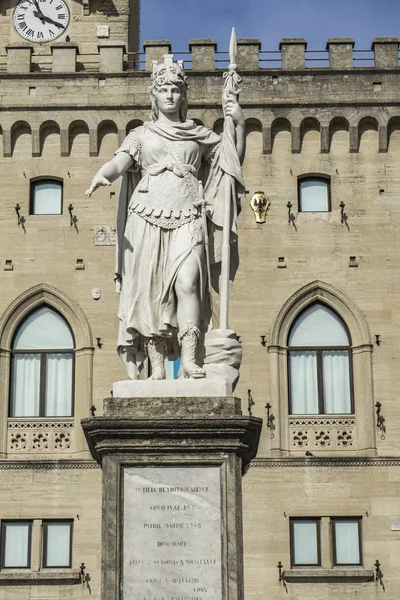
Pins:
x: 41, y: 20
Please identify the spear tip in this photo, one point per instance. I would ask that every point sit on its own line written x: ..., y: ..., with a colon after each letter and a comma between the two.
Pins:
x: 233, y: 47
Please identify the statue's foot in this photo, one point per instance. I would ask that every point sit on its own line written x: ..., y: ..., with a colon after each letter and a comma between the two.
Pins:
x: 157, y: 375
x: 192, y: 371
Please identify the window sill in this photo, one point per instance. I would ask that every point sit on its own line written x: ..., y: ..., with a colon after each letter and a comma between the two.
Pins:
x: 328, y: 575
x: 54, y: 577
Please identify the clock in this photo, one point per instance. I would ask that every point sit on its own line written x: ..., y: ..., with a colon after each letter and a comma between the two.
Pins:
x: 41, y: 20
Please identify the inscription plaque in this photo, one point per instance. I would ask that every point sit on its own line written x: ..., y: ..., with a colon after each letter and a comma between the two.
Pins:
x: 172, y: 533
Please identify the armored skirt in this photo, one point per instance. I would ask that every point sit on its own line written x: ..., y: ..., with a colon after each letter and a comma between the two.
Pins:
x: 163, y: 227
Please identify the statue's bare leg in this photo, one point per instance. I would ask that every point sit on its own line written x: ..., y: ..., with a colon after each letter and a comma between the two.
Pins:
x: 187, y: 292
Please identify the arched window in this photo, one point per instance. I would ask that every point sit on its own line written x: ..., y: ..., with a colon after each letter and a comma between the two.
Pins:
x: 46, y: 197
x: 42, y: 366
x: 319, y: 364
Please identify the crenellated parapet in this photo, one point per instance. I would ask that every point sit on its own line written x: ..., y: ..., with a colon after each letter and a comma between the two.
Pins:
x: 65, y: 95
x: 293, y: 55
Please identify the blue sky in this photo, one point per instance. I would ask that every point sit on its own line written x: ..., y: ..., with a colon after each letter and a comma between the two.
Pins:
x: 316, y: 20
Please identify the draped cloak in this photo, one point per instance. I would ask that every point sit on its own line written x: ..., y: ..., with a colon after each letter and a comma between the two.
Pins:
x: 156, y: 214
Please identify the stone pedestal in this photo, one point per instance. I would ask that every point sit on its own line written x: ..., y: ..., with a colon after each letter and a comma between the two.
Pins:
x: 172, y: 469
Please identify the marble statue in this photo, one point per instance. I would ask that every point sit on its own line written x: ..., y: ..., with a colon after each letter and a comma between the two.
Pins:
x: 170, y: 230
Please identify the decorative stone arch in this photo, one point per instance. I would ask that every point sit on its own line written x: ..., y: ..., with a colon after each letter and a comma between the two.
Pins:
x: 336, y: 124
x: 253, y: 124
x: 309, y: 124
x: 29, y: 301
x: 368, y: 123
x: 218, y: 126
x: 318, y: 291
x: 277, y: 126
x: 47, y: 128
x: 17, y: 129
x: 133, y: 124
x: 105, y: 127
x: 392, y: 126
x: 362, y: 423
x: 77, y: 127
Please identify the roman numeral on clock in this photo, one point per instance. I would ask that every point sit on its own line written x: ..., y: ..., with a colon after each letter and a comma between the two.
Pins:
x: 62, y: 16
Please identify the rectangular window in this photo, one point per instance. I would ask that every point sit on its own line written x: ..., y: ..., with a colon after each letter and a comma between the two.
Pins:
x: 319, y: 382
x: 57, y: 544
x: 46, y: 197
x: 346, y: 541
x: 303, y: 382
x: 336, y: 380
x: 305, y: 542
x: 58, y: 385
x: 16, y: 544
x: 314, y: 194
x: 42, y: 384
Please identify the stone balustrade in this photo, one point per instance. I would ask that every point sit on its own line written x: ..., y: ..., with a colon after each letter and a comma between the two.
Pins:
x: 203, y: 55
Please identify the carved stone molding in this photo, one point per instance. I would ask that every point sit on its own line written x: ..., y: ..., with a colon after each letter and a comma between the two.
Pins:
x: 324, y: 292
x: 104, y: 235
x: 34, y: 297
x: 322, y: 433
x: 323, y: 462
x: 38, y: 436
x: 40, y: 465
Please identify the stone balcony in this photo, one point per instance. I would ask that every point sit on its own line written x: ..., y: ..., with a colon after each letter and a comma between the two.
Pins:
x: 40, y: 436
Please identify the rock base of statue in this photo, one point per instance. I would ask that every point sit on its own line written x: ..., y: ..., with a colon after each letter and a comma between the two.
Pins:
x: 183, y: 388
x: 172, y: 516
x: 223, y: 356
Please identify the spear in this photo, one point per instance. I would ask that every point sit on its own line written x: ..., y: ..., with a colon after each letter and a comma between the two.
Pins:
x: 231, y: 88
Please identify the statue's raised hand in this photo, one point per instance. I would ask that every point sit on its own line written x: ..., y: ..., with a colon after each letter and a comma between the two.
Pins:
x: 232, y: 109
x: 97, y: 182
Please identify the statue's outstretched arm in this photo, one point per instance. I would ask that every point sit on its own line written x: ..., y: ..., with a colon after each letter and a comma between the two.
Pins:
x: 110, y: 171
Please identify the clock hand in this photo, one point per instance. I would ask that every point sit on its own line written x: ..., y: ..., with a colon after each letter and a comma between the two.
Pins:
x: 35, y: 2
x: 48, y: 20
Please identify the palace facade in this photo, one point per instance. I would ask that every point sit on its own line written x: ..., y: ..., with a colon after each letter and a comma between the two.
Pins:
x: 316, y: 301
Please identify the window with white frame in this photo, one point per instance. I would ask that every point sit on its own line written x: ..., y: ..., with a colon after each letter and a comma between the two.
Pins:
x: 16, y: 539
x: 343, y: 533
x: 46, y: 197
x: 314, y: 193
x: 57, y: 544
x: 42, y: 366
x: 319, y: 363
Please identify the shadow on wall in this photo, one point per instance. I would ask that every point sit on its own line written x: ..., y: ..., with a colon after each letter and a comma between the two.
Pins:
x: 105, y: 7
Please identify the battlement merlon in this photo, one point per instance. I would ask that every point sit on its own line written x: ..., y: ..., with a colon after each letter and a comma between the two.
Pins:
x: 203, y: 55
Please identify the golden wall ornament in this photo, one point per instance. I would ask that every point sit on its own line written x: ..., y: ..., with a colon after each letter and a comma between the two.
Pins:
x: 260, y: 204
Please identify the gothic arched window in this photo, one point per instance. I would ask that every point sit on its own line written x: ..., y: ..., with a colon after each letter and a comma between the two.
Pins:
x: 42, y: 367
x: 320, y: 379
